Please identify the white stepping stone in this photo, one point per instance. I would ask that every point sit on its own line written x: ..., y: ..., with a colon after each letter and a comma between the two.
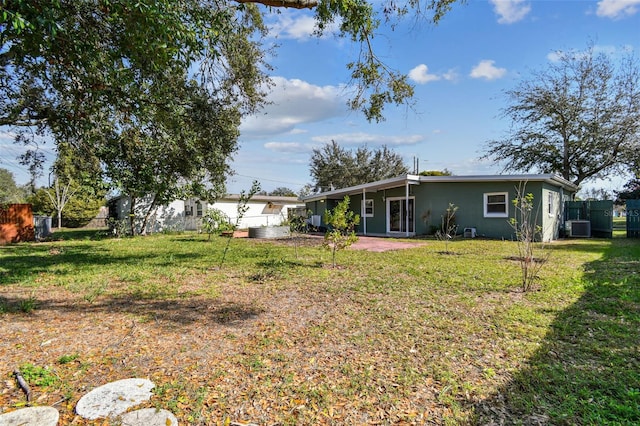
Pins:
x: 149, y: 417
x: 31, y: 416
x: 114, y: 398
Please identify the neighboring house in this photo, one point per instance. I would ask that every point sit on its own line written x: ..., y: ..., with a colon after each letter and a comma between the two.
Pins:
x: 414, y: 205
x: 263, y: 210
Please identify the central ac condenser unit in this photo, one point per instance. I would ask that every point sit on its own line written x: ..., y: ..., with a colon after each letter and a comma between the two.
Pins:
x: 579, y: 228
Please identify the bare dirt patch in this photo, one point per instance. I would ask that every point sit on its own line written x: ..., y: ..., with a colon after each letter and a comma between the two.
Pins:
x: 257, y: 353
x: 373, y: 244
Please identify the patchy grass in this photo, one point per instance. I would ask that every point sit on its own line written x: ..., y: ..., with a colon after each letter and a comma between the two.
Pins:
x: 403, y: 337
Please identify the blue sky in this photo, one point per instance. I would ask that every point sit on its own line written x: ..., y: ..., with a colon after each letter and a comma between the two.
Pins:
x: 460, y: 68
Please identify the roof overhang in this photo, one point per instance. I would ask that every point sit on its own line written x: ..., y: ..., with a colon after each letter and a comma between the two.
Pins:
x: 338, y: 194
x: 416, y: 180
x: 275, y: 199
x: 551, y: 179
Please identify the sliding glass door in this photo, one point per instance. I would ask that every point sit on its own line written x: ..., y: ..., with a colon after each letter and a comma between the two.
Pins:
x: 398, y: 213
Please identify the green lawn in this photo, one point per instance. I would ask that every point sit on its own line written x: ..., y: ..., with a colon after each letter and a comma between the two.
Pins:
x: 414, y: 336
x: 620, y: 224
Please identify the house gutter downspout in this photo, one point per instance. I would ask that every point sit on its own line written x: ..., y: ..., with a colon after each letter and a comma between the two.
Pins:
x: 363, y: 211
x: 406, y: 206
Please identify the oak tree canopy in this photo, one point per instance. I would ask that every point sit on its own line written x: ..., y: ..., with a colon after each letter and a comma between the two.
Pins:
x: 579, y: 118
x: 134, y: 82
x: 335, y: 167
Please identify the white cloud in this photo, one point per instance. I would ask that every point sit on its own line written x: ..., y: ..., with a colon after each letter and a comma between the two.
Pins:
x: 510, y: 11
x: 361, y: 138
x: 617, y: 8
x: 487, y: 70
x: 289, y: 27
x: 298, y: 131
x: 420, y: 75
x: 289, y: 147
x: 451, y: 75
x: 344, y: 139
x: 297, y: 25
x: 292, y: 103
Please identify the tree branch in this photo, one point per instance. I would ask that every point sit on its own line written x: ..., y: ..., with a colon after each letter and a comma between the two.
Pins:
x: 23, y: 384
x: 296, y: 4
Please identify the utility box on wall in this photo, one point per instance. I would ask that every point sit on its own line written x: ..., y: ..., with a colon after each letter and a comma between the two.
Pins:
x: 469, y: 232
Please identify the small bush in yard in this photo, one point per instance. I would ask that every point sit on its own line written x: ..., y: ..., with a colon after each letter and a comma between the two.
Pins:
x: 215, y: 221
x: 37, y: 375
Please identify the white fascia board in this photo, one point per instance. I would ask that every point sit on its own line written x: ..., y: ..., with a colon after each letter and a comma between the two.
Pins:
x: 367, y: 187
x: 549, y: 178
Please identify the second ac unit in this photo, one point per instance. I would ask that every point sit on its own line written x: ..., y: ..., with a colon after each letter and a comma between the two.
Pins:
x: 579, y: 228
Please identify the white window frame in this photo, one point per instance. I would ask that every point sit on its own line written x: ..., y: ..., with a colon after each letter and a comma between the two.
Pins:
x: 551, y: 207
x: 367, y: 204
x: 486, y: 204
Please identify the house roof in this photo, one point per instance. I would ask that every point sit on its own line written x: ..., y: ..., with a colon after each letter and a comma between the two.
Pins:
x: 263, y: 198
x: 235, y: 197
x: 417, y: 180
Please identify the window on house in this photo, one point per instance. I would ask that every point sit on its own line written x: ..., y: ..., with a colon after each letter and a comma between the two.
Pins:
x: 550, y: 206
x: 367, y: 208
x: 495, y: 204
x: 199, y: 209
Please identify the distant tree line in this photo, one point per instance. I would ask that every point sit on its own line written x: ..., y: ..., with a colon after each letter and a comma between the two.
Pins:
x: 334, y: 167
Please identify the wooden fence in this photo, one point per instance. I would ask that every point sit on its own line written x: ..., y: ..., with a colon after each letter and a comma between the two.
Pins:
x: 16, y: 223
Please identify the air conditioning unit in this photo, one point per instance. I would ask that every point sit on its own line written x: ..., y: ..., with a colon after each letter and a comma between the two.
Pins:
x: 469, y: 232
x: 579, y: 228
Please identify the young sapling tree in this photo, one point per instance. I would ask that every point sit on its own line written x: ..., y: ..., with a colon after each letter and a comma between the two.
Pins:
x: 241, y: 210
x: 299, y: 226
x: 341, y: 223
x: 528, y: 237
x: 448, y: 226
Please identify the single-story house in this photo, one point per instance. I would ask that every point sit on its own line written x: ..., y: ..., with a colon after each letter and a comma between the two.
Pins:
x: 263, y: 210
x: 412, y: 205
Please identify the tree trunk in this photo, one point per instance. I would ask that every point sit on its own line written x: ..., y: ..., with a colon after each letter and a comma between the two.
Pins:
x: 143, y: 231
x: 132, y: 215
